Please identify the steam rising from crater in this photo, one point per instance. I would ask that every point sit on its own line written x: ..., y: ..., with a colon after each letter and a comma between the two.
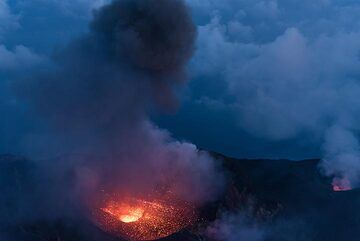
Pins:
x: 96, y: 101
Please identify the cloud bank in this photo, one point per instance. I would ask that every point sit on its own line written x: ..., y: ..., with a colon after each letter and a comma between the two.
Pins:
x: 8, y: 20
x: 291, y: 70
x: 280, y: 75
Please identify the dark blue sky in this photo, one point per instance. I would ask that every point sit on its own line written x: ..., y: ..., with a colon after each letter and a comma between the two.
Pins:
x: 269, y: 78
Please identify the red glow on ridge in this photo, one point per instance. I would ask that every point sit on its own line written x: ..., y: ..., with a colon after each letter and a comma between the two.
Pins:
x: 341, y: 185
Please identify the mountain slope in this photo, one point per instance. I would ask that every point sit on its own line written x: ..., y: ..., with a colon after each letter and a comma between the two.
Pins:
x: 290, y: 200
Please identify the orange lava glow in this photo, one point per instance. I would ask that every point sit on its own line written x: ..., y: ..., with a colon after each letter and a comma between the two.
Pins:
x: 341, y: 185
x: 138, y: 219
x: 124, y: 213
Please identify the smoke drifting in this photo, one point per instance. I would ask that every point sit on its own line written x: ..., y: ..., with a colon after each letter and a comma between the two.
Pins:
x: 291, y: 82
x: 92, y: 107
x: 342, y: 157
x: 233, y: 227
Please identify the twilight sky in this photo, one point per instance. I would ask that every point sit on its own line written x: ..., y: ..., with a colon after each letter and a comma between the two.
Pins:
x: 269, y: 78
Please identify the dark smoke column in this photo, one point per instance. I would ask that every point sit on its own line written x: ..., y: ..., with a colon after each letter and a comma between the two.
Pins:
x: 94, y: 138
x: 96, y: 100
x: 132, y: 58
x: 155, y: 36
x: 152, y: 37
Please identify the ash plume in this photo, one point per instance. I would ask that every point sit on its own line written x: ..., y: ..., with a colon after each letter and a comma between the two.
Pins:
x: 92, y: 108
x: 134, y: 55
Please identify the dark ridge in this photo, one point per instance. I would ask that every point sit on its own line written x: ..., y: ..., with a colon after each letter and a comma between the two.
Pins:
x: 291, y: 199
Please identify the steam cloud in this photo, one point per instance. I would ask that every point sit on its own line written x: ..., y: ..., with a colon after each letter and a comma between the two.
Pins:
x: 233, y: 227
x: 242, y: 225
x: 287, y: 78
x: 92, y: 107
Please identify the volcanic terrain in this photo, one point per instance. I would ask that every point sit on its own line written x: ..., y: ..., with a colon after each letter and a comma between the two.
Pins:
x: 288, y: 200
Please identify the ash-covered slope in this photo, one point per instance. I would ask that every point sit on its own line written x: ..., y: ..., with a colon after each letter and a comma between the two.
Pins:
x: 301, y: 202
x: 290, y: 200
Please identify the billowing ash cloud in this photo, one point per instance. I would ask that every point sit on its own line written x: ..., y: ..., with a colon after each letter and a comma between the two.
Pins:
x: 287, y: 77
x: 134, y: 56
x: 92, y: 108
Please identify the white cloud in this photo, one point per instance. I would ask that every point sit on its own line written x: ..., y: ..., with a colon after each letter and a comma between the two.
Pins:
x: 7, y: 19
x: 287, y: 75
x: 83, y: 8
x: 20, y: 57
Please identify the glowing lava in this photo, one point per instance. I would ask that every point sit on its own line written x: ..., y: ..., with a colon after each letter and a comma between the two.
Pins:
x: 341, y: 185
x: 139, y: 219
x: 124, y: 213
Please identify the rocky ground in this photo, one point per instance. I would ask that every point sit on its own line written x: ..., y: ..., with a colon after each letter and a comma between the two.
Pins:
x: 290, y: 201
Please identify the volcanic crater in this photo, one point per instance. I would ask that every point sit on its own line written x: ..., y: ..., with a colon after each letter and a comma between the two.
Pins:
x: 291, y: 200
